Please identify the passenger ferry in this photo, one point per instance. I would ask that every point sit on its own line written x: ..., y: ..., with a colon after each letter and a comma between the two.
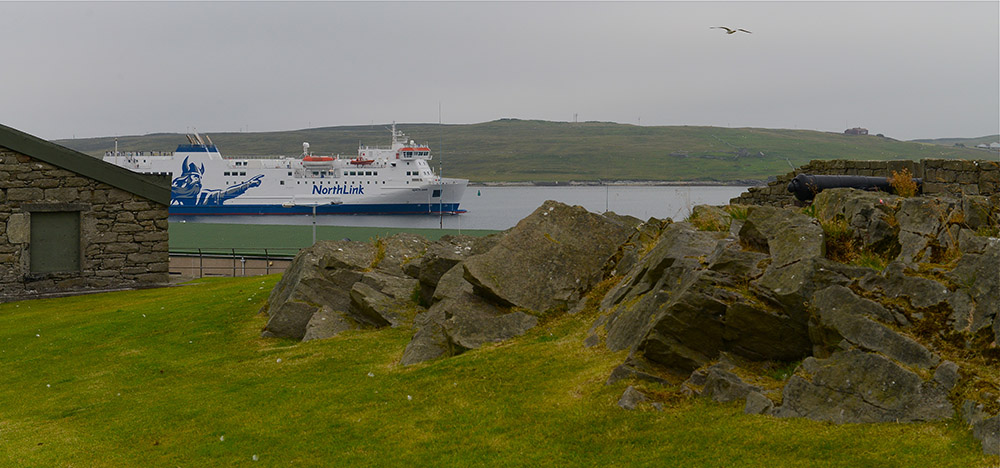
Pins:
x: 380, y: 180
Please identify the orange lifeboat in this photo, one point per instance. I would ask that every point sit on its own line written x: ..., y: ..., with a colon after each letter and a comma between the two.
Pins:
x: 317, y: 162
x: 361, y: 162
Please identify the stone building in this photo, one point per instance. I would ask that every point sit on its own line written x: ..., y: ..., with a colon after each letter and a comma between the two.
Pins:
x: 72, y: 223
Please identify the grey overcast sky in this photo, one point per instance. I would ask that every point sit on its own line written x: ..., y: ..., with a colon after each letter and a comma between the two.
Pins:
x: 905, y: 69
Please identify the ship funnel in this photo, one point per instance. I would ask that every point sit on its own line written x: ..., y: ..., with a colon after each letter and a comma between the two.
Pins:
x: 305, y: 148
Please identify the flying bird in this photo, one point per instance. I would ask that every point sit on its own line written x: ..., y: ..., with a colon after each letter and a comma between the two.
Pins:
x: 730, y: 30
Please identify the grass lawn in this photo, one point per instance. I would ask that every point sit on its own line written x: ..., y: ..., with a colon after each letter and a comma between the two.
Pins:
x: 180, y: 377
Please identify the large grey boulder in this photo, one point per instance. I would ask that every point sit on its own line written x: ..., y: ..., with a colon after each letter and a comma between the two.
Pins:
x: 641, y: 240
x: 326, y: 323
x: 870, y: 215
x: 548, y: 260
x: 978, y: 277
x: 473, y: 327
x: 395, y: 252
x: 893, y: 282
x: 709, y: 314
x: 636, y: 299
x: 980, y: 212
x: 460, y: 320
x: 841, y: 315
x: 321, y: 275
x: 724, y: 386
x: 858, y: 387
x: 633, y: 399
x: 985, y: 427
x: 442, y: 256
x: 792, y: 286
x: 430, y: 341
x: 343, y: 285
x: 376, y: 309
x: 757, y: 403
x: 923, y: 227
x: 457, y: 324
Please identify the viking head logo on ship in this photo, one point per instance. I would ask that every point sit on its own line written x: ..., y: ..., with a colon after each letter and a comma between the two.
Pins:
x: 187, y: 189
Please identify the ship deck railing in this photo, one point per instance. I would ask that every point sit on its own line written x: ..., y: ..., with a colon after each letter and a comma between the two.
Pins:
x: 137, y: 154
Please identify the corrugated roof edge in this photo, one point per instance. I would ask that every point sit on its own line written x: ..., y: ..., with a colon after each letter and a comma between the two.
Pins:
x: 150, y: 187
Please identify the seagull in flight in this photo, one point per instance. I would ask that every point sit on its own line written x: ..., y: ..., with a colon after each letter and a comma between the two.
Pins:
x: 730, y: 30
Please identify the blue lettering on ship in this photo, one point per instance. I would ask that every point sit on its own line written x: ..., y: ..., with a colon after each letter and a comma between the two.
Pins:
x: 338, y: 190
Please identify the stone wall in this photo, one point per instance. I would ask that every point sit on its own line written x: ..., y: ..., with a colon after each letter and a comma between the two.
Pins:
x: 124, y: 240
x: 940, y: 176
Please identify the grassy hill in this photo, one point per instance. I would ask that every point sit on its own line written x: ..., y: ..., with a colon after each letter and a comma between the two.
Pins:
x: 969, y: 142
x: 531, y: 150
x: 180, y: 377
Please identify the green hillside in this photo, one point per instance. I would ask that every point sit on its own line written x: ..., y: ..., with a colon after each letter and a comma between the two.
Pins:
x: 531, y: 150
x: 180, y: 377
x: 969, y: 142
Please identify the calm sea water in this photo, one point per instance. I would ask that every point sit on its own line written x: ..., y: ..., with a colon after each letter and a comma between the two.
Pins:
x: 500, y: 208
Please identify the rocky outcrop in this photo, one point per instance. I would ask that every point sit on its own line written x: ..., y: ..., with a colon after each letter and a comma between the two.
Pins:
x: 857, y: 386
x: 548, y: 260
x: 985, y: 427
x: 767, y: 290
x: 543, y: 265
x: 689, y: 300
x: 335, y: 286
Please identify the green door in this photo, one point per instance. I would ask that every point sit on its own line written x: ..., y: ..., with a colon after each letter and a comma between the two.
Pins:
x: 55, y: 241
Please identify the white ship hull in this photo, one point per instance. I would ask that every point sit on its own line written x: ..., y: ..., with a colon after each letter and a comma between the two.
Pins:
x: 393, y: 180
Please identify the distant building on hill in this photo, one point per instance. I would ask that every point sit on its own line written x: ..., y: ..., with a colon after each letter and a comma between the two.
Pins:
x: 856, y: 131
x: 73, y: 223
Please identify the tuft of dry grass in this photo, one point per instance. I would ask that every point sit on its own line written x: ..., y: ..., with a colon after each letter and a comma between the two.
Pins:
x: 902, y: 183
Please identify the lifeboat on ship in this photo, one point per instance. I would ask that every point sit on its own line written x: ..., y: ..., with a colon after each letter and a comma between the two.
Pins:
x: 317, y: 162
x: 361, y: 161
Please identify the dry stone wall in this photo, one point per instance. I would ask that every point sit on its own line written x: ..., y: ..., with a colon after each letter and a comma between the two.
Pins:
x: 953, y: 177
x: 123, y: 236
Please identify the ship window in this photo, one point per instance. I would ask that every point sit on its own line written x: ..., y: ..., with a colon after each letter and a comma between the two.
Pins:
x: 368, y: 173
x: 289, y: 172
x: 436, y: 194
x: 243, y: 173
x: 282, y: 182
x: 225, y: 174
x: 376, y: 172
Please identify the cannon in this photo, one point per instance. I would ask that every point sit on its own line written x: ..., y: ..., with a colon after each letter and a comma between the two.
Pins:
x: 806, y: 186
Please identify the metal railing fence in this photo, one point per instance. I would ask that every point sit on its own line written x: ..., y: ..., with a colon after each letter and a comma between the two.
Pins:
x: 199, y: 263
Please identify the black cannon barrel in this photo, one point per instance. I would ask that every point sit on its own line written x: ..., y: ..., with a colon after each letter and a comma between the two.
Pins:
x: 806, y: 186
